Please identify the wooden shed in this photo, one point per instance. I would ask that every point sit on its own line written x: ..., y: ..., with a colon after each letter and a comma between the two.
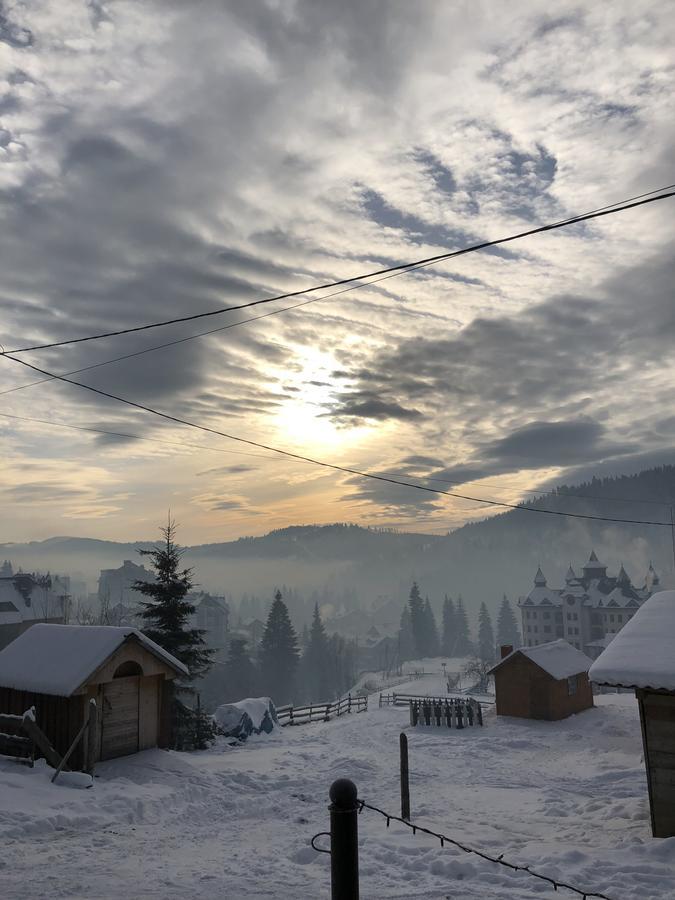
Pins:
x: 642, y: 657
x: 549, y: 681
x: 59, y: 668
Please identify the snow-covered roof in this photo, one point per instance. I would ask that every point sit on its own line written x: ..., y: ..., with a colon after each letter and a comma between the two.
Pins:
x: 559, y: 658
x: 58, y: 659
x: 642, y: 654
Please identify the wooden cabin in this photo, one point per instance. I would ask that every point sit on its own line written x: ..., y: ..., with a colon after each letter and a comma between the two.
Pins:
x: 58, y: 669
x: 549, y: 681
x: 642, y: 657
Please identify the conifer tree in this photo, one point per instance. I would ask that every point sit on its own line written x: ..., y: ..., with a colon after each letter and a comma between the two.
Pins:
x: 417, y: 620
x: 486, y: 638
x: 167, y: 613
x: 463, y: 645
x: 448, y: 638
x: 507, y: 626
x: 315, y: 669
x: 278, y: 653
x: 430, y: 631
x: 239, y: 674
x: 168, y: 610
x: 406, y: 640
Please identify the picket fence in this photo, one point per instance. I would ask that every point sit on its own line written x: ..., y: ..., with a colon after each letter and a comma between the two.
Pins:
x: 320, y: 712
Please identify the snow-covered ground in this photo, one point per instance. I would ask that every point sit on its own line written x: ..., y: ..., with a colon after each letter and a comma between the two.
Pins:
x: 569, y: 798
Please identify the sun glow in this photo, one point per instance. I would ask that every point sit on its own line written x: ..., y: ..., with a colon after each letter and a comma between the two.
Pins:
x: 309, y: 390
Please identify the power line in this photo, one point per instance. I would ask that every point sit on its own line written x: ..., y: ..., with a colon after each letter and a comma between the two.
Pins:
x: 498, y: 860
x: 394, y: 270
x: 135, y: 437
x: 326, y: 465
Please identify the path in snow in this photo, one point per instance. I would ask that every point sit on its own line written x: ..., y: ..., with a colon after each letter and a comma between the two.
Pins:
x: 569, y: 798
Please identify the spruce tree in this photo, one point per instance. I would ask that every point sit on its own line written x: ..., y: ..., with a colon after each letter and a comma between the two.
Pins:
x: 278, y: 654
x: 239, y: 674
x: 406, y: 640
x: 431, y: 641
x: 168, y: 611
x: 417, y: 620
x: 448, y: 638
x: 486, y: 637
x: 507, y: 626
x: 463, y: 645
x: 315, y: 670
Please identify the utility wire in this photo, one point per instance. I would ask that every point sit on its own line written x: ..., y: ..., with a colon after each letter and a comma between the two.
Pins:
x: 140, y: 437
x: 326, y: 465
x: 499, y: 860
x: 397, y: 270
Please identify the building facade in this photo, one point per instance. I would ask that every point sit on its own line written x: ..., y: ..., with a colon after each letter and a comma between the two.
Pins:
x: 588, y: 611
x: 26, y: 599
x: 116, y: 586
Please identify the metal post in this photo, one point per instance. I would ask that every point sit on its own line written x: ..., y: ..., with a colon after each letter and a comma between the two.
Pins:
x: 344, y: 841
x: 405, y: 785
x: 92, y: 742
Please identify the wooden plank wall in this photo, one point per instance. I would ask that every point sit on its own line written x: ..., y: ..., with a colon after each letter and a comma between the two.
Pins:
x: 657, y: 716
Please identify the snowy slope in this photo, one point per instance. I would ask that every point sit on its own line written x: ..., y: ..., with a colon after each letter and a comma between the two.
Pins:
x: 569, y: 798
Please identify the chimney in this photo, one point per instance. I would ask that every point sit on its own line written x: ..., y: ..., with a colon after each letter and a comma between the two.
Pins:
x: 505, y: 649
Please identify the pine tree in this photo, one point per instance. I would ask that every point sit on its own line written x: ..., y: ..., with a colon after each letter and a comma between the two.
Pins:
x: 486, y: 637
x: 463, y: 645
x: 240, y: 677
x: 406, y: 640
x: 448, y: 639
x: 168, y: 611
x: 317, y: 681
x: 507, y: 626
x: 430, y: 631
x: 417, y: 620
x: 279, y: 653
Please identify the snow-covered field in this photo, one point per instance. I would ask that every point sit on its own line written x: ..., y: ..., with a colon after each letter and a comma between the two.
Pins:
x: 568, y: 798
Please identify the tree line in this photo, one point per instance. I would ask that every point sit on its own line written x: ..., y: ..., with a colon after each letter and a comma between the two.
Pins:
x: 419, y: 635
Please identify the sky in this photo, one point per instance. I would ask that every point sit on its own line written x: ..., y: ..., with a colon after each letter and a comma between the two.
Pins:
x: 164, y: 159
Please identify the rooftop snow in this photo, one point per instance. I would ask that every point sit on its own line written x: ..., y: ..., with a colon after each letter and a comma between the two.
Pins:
x: 57, y: 659
x: 559, y: 658
x: 642, y: 655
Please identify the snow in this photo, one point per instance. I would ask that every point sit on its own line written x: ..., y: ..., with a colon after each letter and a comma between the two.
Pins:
x: 57, y: 659
x: 642, y: 654
x: 569, y: 798
x: 559, y: 658
x: 255, y: 715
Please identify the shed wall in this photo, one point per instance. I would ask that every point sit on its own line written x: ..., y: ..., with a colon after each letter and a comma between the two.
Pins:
x: 526, y: 691
x: 657, y: 716
x: 60, y: 718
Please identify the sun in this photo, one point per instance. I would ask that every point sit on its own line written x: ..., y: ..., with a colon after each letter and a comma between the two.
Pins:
x: 309, y: 390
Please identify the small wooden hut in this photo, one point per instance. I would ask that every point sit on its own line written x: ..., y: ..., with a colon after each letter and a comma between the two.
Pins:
x: 642, y: 657
x: 58, y: 669
x: 549, y: 681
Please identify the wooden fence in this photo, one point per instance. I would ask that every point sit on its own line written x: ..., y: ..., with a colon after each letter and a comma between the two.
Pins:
x: 320, y: 712
x: 395, y: 699
x: 13, y: 742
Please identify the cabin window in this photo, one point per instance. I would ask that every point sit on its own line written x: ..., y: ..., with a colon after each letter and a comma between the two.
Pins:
x: 572, y: 685
x: 547, y: 614
x: 547, y: 629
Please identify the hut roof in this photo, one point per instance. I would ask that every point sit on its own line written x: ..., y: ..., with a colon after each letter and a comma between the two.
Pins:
x: 641, y: 655
x: 558, y: 658
x: 58, y: 659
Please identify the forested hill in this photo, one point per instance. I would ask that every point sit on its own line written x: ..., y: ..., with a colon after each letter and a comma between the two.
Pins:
x: 481, y: 560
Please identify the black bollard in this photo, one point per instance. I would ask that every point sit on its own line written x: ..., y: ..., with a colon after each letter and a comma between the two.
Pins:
x: 344, y: 841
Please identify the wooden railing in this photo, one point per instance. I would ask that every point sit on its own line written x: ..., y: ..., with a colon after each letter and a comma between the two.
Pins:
x: 12, y: 743
x: 395, y: 699
x: 320, y: 712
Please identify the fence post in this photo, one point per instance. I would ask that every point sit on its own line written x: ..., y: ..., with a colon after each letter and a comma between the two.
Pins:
x: 344, y: 841
x: 349, y: 703
x: 92, y: 738
x: 405, y: 784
